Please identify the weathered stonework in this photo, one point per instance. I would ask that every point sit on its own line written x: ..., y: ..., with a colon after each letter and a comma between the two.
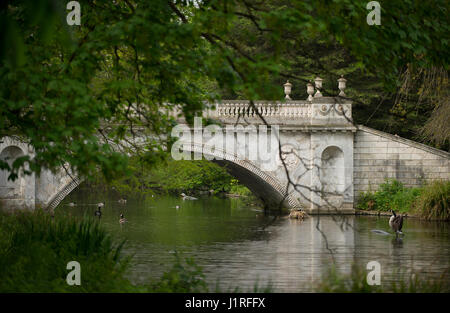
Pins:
x: 379, y: 156
x: 329, y: 160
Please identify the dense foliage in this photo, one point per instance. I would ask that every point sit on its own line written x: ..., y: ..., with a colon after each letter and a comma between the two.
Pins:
x: 77, y: 93
x: 169, y: 176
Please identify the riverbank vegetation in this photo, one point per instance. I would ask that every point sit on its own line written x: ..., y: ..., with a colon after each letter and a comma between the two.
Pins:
x: 35, y: 249
x: 429, y: 202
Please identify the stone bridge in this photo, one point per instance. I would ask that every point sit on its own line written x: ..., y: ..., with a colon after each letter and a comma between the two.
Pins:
x: 325, y: 161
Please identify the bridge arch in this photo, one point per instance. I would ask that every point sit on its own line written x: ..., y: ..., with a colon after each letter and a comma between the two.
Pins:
x: 63, y: 191
x: 261, y: 183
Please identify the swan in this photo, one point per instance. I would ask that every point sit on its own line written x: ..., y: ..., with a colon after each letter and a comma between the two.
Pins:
x: 396, y: 223
x: 186, y: 197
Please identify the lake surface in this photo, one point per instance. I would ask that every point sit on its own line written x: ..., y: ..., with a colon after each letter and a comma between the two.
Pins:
x: 238, y: 245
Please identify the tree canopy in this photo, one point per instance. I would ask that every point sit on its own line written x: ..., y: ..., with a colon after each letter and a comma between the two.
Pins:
x: 74, y: 91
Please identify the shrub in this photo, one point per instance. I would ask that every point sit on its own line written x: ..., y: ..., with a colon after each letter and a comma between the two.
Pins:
x: 390, y: 195
x: 433, y: 202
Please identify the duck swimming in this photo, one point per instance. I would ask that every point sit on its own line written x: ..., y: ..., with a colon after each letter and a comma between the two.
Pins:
x: 396, y: 223
x: 72, y: 204
x: 186, y: 197
x: 122, y: 219
x: 122, y: 201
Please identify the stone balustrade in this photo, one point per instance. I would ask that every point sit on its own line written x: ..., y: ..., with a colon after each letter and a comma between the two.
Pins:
x: 290, y: 109
x: 321, y: 111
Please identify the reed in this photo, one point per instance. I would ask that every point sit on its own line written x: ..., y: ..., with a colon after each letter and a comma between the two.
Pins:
x: 35, y: 250
x: 433, y: 202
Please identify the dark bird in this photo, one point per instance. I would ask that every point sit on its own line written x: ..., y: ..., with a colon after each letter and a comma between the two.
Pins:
x: 396, y: 223
x: 122, y: 219
x: 98, y: 213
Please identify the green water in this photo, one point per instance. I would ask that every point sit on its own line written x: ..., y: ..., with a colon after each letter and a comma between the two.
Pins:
x: 238, y: 245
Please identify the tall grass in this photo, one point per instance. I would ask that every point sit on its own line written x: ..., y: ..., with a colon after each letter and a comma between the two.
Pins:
x: 433, y: 202
x: 35, y: 249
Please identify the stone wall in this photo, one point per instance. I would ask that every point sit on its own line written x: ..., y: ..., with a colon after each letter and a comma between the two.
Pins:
x: 379, y: 156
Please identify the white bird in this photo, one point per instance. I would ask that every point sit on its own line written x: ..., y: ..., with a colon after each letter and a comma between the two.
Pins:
x: 72, y: 204
x: 186, y: 197
x: 100, y: 205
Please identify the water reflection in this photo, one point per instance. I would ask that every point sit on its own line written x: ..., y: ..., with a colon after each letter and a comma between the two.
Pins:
x: 238, y: 245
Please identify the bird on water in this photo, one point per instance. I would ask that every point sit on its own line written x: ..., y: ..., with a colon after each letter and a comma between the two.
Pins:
x: 396, y: 223
x: 98, y: 213
x: 122, y: 219
x: 186, y: 197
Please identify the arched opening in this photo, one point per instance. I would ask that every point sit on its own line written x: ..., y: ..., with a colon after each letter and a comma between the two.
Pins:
x: 11, y: 189
x: 271, y: 197
x: 332, y: 176
x: 262, y: 184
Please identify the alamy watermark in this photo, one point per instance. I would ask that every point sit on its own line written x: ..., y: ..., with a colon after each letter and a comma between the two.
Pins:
x: 374, y: 276
x: 74, y: 16
x: 73, y: 278
x: 374, y: 16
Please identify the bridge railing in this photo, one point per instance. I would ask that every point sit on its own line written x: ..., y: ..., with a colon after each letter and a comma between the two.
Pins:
x: 290, y: 109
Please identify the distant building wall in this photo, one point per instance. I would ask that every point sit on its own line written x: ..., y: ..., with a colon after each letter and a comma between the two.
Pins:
x: 379, y: 156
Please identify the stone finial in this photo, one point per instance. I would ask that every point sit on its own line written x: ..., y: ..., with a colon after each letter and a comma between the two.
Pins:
x: 318, y: 83
x: 341, y: 85
x: 287, y: 90
x: 310, y: 91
